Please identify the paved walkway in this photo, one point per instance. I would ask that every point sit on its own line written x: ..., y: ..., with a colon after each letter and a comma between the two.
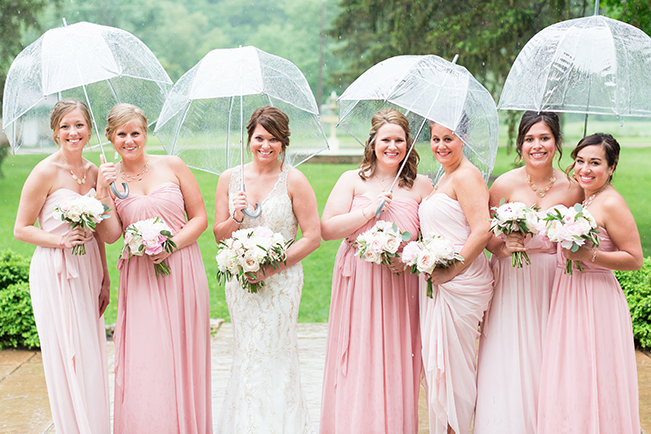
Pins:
x: 24, y: 407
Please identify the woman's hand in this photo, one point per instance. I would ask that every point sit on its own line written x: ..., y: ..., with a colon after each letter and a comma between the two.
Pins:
x: 583, y: 254
x: 240, y: 203
x: 261, y: 274
x: 397, y: 266
x: 75, y: 237
x: 441, y: 275
x: 106, y: 175
x: 104, y: 294
x: 159, y: 257
x: 514, y: 242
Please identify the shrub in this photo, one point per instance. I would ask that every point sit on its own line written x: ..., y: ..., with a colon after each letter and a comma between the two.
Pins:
x: 637, y: 288
x: 14, y: 268
x: 17, y: 326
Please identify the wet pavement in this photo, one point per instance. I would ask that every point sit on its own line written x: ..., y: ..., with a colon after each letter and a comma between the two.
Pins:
x: 24, y: 406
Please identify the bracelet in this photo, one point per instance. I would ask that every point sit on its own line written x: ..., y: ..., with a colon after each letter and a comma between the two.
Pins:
x: 364, y: 215
x: 594, y: 255
x: 235, y: 220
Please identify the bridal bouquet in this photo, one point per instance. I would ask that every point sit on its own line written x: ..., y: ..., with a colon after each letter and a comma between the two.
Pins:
x: 380, y: 243
x: 515, y: 217
x: 431, y: 252
x: 149, y: 237
x: 83, y: 211
x: 572, y: 228
x: 248, y: 251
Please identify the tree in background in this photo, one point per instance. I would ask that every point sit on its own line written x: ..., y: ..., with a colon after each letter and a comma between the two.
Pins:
x: 634, y: 12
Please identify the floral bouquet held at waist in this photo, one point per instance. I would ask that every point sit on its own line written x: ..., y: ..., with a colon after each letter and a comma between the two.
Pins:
x: 571, y: 228
x: 380, y: 243
x: 515, y: 217
x: 83, y: 211
x: 425, y: 255
x: 249, y: 251
x: 149, y: 237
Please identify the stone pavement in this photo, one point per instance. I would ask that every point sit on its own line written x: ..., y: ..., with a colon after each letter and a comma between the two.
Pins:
x: 24, y: 407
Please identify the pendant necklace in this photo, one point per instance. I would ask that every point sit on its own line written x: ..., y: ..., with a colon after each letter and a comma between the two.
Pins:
x: 379, y: 180
x: 586, y: 203
x: 534, y: 187
x: 79, y: 181
x: 136, y: 177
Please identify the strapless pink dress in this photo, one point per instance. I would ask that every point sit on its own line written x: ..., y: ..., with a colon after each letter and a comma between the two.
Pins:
x: 373, y: 363
x: 162, y: 334
x: 65, y: 297
x: 588, y: 381
x: 449, y: 322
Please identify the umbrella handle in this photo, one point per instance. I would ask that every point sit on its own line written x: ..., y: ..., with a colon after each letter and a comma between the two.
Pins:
x: 256, y: 212
x: 378, y: 213
x: 117, y: 193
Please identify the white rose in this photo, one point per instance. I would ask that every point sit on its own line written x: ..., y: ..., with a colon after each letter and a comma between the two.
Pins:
x: 250, y: 264
x: 371, y: 256
x: 425, y: 262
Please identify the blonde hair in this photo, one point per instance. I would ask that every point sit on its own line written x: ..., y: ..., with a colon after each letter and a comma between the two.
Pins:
x: 61, y: 109
x: 123, y: 114
x: 367, y: 167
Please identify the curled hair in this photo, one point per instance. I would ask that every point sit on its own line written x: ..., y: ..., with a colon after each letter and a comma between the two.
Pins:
x: 608, y: 142
x: 367, y: 167
x: 275, y: 121
x: 64, y: 107
x: 122, y: 114
x: 531, y: 118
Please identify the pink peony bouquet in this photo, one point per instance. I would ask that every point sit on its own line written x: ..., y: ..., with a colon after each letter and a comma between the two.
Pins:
x: 85, y: 211
x: 425, y: 255
x: 381, y: 243
x: 149, y: 237
x: 247, y: 252
x: 515, y: 217
x: 571, y: 228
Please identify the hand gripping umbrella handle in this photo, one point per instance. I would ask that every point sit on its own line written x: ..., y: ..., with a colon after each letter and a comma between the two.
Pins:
x: 256, y: 212
x: 117, y: 193
x: 378, y: 213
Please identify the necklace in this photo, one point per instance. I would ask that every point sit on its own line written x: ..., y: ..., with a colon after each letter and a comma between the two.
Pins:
x: 136, y: 177
x: 586, y: 203
x: 534, y: 187
x: 79, y: 181
x: 381, y: 183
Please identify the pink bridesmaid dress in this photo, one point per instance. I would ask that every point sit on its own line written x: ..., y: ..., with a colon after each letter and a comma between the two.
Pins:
x: 162, y: 334
x: 449, y: 322
x: 65, y: 297
x: 373, y: 363
x: 511, y: 343
x: 589, y: 375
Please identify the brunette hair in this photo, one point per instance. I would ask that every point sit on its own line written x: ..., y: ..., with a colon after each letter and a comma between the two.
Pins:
x: 367, y: 167
x: 529, y: 119
x: 64, y: 107
x: 123, y: 114
x: 275, y: 121
x: 608, y: 142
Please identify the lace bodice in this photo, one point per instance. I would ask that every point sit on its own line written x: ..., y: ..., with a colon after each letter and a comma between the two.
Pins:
x: 277, y: 210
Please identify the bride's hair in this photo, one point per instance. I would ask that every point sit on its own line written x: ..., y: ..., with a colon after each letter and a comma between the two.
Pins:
x: 367, y: 167
x: 123, y: 114
x: 275, y: 122
x: 64, y: 107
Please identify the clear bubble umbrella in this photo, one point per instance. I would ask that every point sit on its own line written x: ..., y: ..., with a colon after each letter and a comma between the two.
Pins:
x: 425, y: 88
x: 100, y: 65
x: 591, y: 65
x: 205, y: 114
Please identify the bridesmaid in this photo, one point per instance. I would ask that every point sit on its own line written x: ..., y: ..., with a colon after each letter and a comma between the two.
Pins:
x: 373, y: 365
x: 457, y: 210
x: 162, y: 334
x: 589, y: 375
x: 69, y: 292
x: 510, y: 347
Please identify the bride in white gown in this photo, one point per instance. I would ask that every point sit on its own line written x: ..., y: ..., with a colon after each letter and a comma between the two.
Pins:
x: 264, y: 392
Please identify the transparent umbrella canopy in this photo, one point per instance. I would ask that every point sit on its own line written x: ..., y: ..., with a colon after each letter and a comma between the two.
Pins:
x: 100, y: 65
x: 425, y: 88
x: 591, y: 65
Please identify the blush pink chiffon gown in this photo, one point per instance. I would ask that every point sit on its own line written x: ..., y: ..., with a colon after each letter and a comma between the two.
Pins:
x: 511, y: 343
x: 373, y: 363
x: 589, y: 375
x: 162, y: 334
x: 449, y: 322
x: 65, y: 297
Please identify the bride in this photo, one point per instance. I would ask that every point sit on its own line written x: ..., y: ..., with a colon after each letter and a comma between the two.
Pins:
x: 264, y: 392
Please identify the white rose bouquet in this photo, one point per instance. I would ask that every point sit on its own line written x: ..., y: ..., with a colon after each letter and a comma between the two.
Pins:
x: 149, y: 237
x: 248, y: 251
x: 515, y: 217
x: 425, y: 255
x: 572, y: 228
x: 83, y: 211
x: 381, y: 243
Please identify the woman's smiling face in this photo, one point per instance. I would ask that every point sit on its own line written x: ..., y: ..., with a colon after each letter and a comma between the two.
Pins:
x: 446, y: 146
x: 390, y: 144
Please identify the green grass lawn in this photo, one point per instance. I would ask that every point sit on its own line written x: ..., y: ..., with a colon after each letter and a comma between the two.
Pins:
x: 632, y: 179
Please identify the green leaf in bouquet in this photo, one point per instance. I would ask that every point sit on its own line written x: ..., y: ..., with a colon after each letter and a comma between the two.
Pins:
x: 406, y: 236
x: 502, y: 202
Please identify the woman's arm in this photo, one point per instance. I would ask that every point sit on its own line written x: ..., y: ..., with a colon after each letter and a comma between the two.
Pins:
x: 225, y: 225
x: 105, y: 292
x: 513, y: 242
x: 472, y: 195
x: 109, y: 229
x: 338, y: 220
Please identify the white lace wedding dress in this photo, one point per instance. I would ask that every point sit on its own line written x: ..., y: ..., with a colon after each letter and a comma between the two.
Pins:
x: 264, y: 392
